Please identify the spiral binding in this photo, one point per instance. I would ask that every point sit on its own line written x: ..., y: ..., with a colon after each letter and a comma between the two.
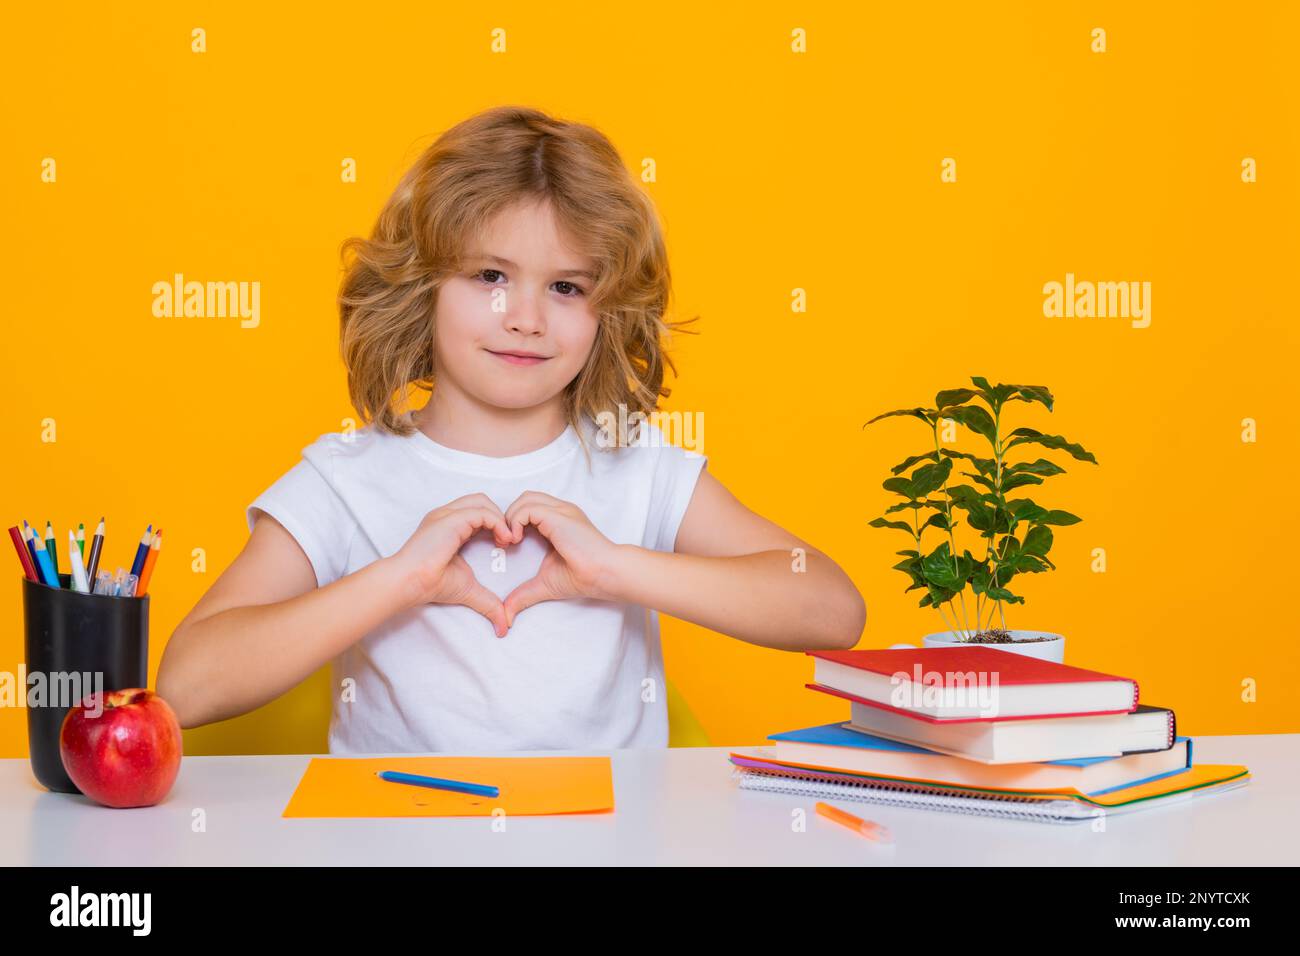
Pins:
x: 1006, y: 806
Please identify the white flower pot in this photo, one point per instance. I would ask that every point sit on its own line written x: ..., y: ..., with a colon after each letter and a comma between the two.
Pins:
x: 1051, y: 650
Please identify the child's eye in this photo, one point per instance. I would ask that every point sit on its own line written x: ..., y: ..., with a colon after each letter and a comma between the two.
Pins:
x: 567, y: 289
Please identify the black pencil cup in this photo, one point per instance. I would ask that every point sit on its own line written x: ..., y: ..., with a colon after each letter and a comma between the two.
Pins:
x: 77, y: 643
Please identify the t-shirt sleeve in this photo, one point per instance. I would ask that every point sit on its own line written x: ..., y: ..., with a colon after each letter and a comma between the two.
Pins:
x: 676, y: 474
x: 310, y: 510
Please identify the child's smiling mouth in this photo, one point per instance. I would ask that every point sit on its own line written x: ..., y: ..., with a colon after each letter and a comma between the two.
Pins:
x: 520, y: 358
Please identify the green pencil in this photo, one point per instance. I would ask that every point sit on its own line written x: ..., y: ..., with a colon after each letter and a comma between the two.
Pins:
x: 50, y: 543
x: 81, y: 540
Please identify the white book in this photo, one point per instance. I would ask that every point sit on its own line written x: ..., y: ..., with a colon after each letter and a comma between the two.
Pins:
x: 1025, y: 741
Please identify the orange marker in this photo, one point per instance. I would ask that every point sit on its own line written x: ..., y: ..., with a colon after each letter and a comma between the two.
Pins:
x: 150, y: 560
x: 870, y: 830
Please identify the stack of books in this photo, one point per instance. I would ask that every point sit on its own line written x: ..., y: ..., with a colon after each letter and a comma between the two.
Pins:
x: 985, y: 731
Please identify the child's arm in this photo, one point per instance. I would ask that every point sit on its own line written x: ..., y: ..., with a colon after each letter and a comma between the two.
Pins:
x: 264, y: 625
x: 732, y: 571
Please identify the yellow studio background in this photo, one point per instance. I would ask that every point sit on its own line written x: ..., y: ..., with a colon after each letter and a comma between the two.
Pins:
x: 775, y: 170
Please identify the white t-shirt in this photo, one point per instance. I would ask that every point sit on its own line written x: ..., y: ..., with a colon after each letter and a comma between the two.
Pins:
x: 579, y: 674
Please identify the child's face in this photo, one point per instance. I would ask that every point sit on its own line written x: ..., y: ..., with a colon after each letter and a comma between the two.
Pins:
x: 515, y: 326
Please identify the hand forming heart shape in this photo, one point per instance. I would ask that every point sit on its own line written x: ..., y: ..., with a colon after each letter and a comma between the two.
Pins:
x: 574, y: 566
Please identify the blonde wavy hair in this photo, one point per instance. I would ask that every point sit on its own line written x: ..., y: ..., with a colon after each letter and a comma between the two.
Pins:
x: 473, y: 171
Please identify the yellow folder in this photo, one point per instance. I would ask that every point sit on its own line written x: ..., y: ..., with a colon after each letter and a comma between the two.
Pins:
x: 351, y: 787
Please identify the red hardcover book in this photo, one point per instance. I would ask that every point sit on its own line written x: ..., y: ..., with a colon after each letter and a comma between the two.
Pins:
x: 969, y: 683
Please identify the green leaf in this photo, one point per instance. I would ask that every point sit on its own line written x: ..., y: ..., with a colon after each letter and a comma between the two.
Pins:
x: 886, y: 523
x: 939, y: 520
x: 1032, y: 436
x: 986, y: 466
x: 953, y: 396
x: 929, y: 478
x: 1003, y: 521
x: 912, y: 568
x: 974, y: 418
x: 904, y: 465
x: 1033, y: 393
x: 1002, y: 594
x: 982, y: 518
x: 1038, y: 540
x: 1027, y: 562
x: 995, y: 395
x: 939, y: 567
x: 1040, y: 467
x: 1019, y: 481
x: 899, y: 486
x: 925, y: 414
x: 1059, y: 518
x: 966, y: 497
x: 1026, y: 510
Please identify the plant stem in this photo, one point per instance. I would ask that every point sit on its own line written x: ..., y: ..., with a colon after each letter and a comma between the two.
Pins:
x: 950, y: 627
x: 1000, y: 502
x: 952, y: 540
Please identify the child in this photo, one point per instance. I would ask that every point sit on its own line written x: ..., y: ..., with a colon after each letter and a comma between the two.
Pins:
x: 485, y: 571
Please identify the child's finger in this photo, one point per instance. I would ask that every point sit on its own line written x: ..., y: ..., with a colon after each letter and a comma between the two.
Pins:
x: 470, y: 520
x: 525, y: 500
x: 538, y: 515
x: 483, y: 601
x: 533, y: 591
x: 475, y: 500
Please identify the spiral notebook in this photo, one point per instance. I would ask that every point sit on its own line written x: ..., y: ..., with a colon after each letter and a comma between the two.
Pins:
x: 1053, y: 806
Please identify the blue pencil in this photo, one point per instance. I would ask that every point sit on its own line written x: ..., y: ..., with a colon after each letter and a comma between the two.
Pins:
x: 43, y: 562
x: 142, y: 552
x: 28, y: 533
x: 436, y: 783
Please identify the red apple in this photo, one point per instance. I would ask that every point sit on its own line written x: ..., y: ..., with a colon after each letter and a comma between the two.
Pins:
x: 129, y: 755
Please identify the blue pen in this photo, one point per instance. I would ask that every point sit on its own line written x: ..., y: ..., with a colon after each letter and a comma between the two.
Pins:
x: 459, y: 786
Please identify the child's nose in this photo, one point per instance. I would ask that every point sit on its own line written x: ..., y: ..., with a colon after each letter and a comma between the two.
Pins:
x: 524, y: 315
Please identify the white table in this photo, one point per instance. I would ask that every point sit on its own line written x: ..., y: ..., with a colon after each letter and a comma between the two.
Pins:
x: 672, y: 807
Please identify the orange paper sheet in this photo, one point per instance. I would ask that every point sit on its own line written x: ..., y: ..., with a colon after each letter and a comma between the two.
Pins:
x: 350, y: 787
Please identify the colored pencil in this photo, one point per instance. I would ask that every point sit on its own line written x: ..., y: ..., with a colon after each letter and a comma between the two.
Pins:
x: 81, y: 540
x: 96, y: 545
x: 436, y: 783
x: 149, y: 562
x: 44, y: 563
x: 76, y: 568
x: 51, y: 545
x: 142, y: 552
x: 29, y: 568
x: 868, y: 828
x: 28, y: 534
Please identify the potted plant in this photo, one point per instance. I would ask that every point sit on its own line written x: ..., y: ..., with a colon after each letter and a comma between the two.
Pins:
x: 1017, y: 531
